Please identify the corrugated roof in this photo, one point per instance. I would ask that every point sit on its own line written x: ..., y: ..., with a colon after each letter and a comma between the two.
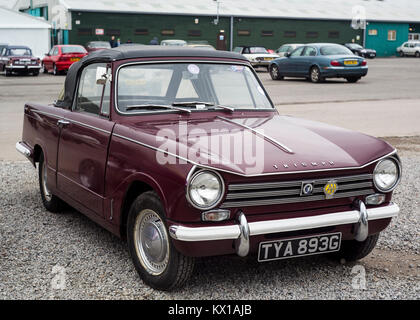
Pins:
x: 10, y: 19
x: 376, y: 10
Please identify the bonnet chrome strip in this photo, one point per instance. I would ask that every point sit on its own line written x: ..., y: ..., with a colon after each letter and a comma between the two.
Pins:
x: 263, y: 135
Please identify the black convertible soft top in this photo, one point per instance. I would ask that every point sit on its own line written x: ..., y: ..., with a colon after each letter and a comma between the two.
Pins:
x: 132, y: 52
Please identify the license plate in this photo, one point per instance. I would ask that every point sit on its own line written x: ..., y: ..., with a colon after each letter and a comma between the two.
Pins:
x: 299, y: 247
x: 350, y: 62
x: 74, y: 59
x: 268, y: 59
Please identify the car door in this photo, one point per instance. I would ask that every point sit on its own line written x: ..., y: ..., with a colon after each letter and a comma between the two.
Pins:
x: 84, y: 140
x: 307, y: 60
x: 290, y: 65
x: 48, y: 59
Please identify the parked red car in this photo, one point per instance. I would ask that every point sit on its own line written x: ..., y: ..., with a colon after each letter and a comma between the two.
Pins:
x: 181, y: 152
x: 61, y: 57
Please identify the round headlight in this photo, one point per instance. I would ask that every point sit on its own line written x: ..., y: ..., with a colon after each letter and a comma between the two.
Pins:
x: 387, y: 175
x: 205, y: 189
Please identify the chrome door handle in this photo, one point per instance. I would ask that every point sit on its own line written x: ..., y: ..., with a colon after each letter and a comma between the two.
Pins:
x: 63, y: 123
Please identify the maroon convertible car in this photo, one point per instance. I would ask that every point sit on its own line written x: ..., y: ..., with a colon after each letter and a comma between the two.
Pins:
x: 182, y: 153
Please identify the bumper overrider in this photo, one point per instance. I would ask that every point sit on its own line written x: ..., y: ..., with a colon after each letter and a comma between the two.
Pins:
x: 241, y: 231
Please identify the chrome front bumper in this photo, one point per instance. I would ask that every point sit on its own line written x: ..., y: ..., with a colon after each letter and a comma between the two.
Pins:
x: 242, y: 231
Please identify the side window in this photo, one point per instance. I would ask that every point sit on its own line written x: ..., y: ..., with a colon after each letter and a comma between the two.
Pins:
x: 92, y: 97
x: 309, y: 52
x: 246, y: 51
x: 51, y: 51
x: 297, y: 52
x: 55, y: 52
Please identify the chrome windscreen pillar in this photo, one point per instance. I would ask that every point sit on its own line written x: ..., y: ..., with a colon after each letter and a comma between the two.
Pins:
x: 242, y: 243
x: 362, y: 227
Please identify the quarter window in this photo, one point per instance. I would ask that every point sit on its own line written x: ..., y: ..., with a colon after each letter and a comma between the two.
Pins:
x: 92, y: 97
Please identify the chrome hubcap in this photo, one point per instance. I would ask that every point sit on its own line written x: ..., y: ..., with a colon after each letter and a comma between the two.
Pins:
x: 151, y: 242
x: 47, y: 193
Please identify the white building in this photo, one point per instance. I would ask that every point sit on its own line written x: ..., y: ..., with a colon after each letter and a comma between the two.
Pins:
x: 22, y: 29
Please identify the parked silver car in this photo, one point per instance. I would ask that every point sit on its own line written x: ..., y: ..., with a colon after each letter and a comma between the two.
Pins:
x: 409, y: 48
x: 287, y: 48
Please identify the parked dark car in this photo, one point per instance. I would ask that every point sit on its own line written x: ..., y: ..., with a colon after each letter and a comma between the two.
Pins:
x: 141, y: 142
x: 318, y: 61
x: 61, y: 57
x: 20, y: 60
x: 97, y: 45
x: 360, y: 51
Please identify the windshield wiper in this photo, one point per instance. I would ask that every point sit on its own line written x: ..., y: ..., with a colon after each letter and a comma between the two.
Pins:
x: 207, y: 104
x: 155, y: 106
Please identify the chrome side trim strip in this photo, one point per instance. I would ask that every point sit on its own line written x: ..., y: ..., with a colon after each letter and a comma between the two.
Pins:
x: 88, y: 126
x: 46, y: 113
x: 283, y: 225
x: 263, y: 135
x: 250, y: 175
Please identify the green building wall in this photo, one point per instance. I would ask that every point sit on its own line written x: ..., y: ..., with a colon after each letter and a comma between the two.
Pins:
x: 270, y: 33
x: 377, y: 37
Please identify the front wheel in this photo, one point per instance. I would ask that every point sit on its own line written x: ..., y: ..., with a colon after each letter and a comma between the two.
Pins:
x: 353, y: 250
x: 156, y: 260
x: 401, y: 54
x: 55, y: 70
x: 275, y: 72
x: 417, y: 54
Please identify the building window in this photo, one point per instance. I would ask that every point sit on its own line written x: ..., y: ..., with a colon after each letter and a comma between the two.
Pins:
x: 290, y: 34
x: 84, y: 32
x: 334, y: 34
x: 244, y: 33
x: 373, y: 32
x: 266, y: 33
x: 167, y: 32
x: 113, y: 32
x: 194, y: 33
x: 141, y: 32
x: 311, y: 34
x: 392, y: 35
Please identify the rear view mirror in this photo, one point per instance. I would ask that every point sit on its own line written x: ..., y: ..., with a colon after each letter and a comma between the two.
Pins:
x: 102, y: 76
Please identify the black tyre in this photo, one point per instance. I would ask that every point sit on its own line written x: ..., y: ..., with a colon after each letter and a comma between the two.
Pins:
x: 51, y: 202
x: 402, y: 54
x: 55, y: 70
x: 156, y: 260
x: 275, y: 72
x: 352, y: 250
x: 353, y: 79
x: 43, y: 69
x: 35, y: 73
x: 417, y: 54
x: 315, y: 75
x: 8, y: 73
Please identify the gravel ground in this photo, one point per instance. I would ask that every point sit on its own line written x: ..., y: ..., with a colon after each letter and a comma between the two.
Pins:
x: 37, y: 247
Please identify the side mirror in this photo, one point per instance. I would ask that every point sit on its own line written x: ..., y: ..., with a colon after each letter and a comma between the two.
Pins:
x: 287, y: 54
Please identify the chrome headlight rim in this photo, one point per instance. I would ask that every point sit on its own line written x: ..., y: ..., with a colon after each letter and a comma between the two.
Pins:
x: 221, y: 193
x: 397, y: 181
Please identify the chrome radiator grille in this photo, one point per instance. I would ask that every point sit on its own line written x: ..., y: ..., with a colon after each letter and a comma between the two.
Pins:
x: 273, y: 193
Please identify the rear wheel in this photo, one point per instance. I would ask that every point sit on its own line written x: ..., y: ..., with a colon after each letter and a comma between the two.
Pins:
x: 43, y: 69
x: 353, y: 79
x: 51, y: 202
x: 156, y: 260
x: 275, y: 72
x: 418, y: 54
x: 315, y: 75
x: 353, y: 250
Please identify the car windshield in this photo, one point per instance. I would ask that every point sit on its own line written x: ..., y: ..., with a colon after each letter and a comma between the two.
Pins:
x: 355, y: 46
x: 100, y: 45
x: 258, y: 50
x: 73, y: 49
x: 20, y: 52
x: 192, y: 86
x: 335, y: 50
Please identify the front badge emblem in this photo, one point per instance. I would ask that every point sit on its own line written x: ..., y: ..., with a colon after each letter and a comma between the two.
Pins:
x: 307, y: 188
x: 330, y: 189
